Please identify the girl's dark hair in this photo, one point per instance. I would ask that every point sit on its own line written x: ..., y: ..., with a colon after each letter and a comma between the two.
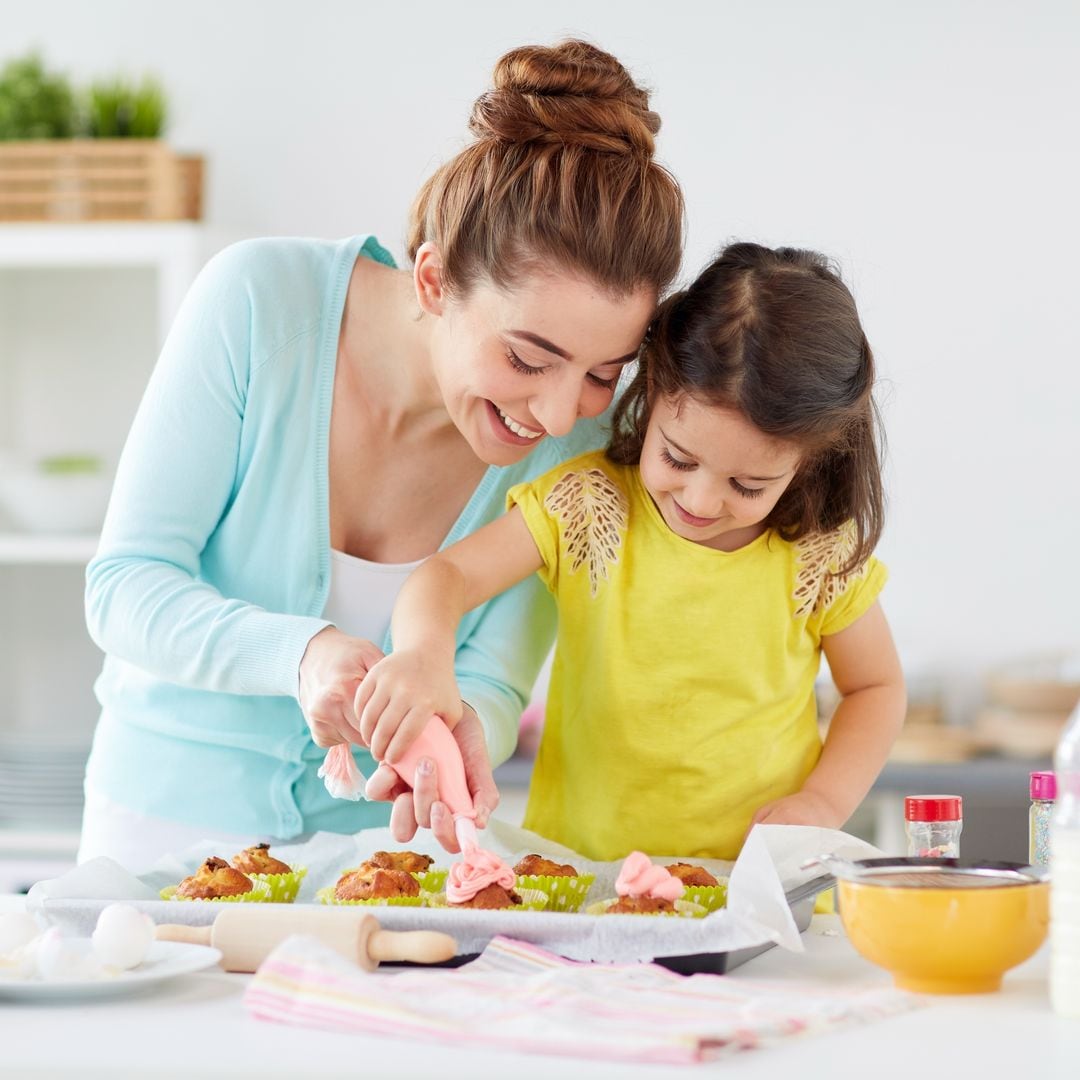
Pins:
x: 561, y: 172
x: 774, y: 334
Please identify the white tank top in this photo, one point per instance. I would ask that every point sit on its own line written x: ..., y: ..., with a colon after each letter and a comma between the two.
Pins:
x: 362, y: 594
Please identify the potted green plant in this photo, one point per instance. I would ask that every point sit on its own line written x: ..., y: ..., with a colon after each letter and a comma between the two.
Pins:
x: 35, y: 103
x: 119, y: 109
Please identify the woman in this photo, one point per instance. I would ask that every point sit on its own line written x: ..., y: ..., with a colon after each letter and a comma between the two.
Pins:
x: 320, y: 421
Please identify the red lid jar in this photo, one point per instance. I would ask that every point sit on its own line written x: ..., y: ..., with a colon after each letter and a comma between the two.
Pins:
x: 933, y: 808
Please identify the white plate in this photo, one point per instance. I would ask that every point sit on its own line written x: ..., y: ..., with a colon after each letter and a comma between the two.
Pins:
x: 166, y: 960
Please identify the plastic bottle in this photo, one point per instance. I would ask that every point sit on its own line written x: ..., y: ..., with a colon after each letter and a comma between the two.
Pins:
x: 1065, y: 874
x: 1043, y: 788
x: 933, y: 824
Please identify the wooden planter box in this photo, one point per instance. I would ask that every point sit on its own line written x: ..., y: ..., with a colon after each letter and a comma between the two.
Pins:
x: 98, y: 180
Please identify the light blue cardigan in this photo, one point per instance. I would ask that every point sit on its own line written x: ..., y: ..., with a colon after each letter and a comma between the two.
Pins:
x: 214, y: 561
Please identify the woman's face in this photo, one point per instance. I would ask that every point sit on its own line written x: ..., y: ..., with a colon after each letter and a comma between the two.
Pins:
x: 713, y: 476
x: 516, y: 365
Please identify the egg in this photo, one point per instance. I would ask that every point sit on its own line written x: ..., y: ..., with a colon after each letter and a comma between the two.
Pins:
x: 122, y: 937
x: 16, y: 930
x: 58, y: 958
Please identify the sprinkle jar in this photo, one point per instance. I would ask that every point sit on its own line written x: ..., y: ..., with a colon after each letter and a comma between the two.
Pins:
x: 1043, y: 794
x: 933, y: 824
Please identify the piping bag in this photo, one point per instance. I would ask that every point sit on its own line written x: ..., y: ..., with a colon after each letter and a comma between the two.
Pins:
x: 478, y: 867
x: 344, y: 781
x: 437, y: 742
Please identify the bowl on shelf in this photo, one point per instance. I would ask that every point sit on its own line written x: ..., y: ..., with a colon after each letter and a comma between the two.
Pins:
x: 1049, y: 684
x: 1029, y: 702
x: 920, y: 744
x: 1016, y: 734
x: 942, y: 926
x: 55, y: 495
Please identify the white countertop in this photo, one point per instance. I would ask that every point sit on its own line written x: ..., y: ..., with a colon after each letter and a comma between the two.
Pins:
x: 196, y: 1025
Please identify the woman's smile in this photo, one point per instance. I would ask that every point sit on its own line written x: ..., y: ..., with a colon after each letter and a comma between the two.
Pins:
x: 510, y: 430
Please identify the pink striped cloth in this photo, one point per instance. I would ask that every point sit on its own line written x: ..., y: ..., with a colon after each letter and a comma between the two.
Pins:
x: 516, y: 996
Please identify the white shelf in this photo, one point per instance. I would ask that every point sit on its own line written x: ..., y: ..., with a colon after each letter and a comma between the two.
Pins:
x: 172, y: 248
x: 17, y: 840
x: 43, y: 549
x: 96, y: 244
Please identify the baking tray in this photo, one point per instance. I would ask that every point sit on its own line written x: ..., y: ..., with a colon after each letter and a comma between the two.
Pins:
x: 800, y: 898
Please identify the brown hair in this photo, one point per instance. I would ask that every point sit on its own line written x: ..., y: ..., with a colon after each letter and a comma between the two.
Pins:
x: 561, y: 172
x: 774, y: 334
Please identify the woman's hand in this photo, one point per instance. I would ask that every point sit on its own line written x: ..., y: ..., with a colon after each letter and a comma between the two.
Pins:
x: 802, y: 808
x: 398, y: 697
x: 419, y: 806
x: 331, y: 671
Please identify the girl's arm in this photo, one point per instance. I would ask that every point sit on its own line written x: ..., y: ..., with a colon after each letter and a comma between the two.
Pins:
x: 401, y: 693
x: 866, y: 670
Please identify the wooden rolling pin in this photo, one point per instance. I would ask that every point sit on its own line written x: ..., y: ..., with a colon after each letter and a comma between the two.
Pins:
x: 247, y: 935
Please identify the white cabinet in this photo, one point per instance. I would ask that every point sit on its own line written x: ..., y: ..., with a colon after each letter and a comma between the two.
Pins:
x: 84, y: 310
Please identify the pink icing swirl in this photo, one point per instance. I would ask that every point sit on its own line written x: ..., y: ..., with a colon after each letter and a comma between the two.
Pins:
x: 639, y: 877
x: 477, y: 870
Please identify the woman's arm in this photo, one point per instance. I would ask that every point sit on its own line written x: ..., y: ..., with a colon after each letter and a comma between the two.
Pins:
x: 866, y: 670
x: 145, y: 600
x: 401, y: 693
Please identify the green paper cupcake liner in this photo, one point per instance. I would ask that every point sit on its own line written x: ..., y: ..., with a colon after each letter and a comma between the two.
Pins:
x: 259, y: 895
x: 432, y: 880
x: 531, y: 900
x: 710, y: 897
x: 283, y: 887
x: 326, y: 896
x: 563, y: 893
x: 683, y: 909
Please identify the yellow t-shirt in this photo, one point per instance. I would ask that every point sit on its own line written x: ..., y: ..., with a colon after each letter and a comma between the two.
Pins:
x: 682, y: 690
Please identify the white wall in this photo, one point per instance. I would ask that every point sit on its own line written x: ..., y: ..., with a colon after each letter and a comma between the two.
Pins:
x: 932, y: 147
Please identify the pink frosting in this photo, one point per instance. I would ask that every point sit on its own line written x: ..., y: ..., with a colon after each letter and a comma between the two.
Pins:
x: 639, y: 877
x: 477, y: 870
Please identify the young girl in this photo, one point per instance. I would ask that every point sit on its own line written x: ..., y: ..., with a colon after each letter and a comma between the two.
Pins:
x: 701, y: 565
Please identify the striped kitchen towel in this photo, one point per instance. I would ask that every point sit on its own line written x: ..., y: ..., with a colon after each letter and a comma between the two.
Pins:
x: 516, y: 996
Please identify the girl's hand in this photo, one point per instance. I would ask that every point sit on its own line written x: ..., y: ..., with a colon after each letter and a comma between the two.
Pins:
x: 398, y: 697
x: 802, y: 808
x: 419, y: 806
x: 331, y: 671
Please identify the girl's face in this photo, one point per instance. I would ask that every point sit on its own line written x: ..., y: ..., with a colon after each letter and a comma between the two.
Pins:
x: 514, y: 366
x: 713, y: 476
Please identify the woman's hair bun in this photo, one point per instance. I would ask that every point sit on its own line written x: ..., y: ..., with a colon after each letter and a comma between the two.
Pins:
x: 572, y: 94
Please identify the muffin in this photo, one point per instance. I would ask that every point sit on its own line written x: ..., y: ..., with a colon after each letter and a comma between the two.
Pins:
x: 281, y: 880
x: 258, y: 860
x: 643, y: 888
x: 561, y: 883
x: 214, y: 879
x: 375, y: 883
x: 409, y: 861
x: 689, y: 874
x: 538, y: 865
x: 491, y: 898
x: 701, y: 887
x: 641, y: 905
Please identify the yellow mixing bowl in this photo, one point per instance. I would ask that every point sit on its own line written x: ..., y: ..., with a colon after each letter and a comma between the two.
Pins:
x: 952, y: 934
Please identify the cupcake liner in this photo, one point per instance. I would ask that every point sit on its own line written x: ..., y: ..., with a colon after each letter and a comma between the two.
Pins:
x: 710, y: 897
x: 432, y: 880
x: 531, y: 900
x: 326, y: 896
x: 258, y: 895
x: 563, y: 893
x: 283, y: 887
x: 683, y: 909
